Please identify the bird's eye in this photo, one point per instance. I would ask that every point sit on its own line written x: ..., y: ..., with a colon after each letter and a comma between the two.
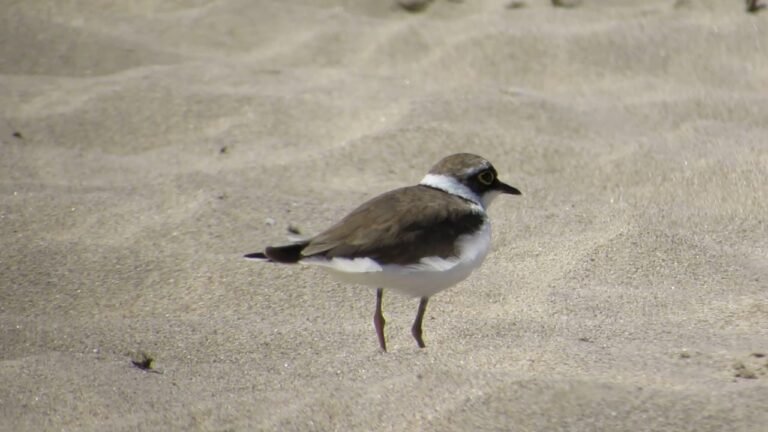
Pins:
x: 486, y: 177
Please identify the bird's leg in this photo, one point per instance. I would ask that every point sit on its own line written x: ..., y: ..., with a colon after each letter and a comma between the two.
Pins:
x: 416, y: 329
x: 378, y: 320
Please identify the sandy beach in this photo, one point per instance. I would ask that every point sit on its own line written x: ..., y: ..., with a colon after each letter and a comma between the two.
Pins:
x: 146, y: 146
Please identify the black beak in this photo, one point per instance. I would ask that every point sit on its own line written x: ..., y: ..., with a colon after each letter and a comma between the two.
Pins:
x: 507, y: 189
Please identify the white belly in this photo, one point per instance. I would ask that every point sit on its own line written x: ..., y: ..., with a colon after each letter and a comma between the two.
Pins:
x: 424, y: 279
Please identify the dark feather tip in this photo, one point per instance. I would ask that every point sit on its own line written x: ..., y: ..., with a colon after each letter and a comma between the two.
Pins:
x: 287, y: 254
x: 256, y: 255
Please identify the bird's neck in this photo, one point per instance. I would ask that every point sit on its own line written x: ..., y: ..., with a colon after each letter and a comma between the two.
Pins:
x: 454, y: 187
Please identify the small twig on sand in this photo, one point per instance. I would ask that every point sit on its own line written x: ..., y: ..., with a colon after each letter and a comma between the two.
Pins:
x: 565, y: 3
x: 144, y: 362
x: 414, y: 5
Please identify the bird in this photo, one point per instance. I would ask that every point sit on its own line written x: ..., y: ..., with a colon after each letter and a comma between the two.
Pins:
x: 416, y: 240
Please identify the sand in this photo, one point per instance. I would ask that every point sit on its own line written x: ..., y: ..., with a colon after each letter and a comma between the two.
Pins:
x: 145, y: 146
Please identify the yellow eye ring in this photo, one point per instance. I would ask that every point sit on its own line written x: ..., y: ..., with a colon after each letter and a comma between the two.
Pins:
x: 486, y: 178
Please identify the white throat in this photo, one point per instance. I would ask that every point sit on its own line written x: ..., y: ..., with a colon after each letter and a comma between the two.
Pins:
x: 488, y: 198
x: 452, y: 186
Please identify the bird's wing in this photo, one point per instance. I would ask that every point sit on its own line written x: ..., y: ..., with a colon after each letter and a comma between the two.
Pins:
x: 400, y: 227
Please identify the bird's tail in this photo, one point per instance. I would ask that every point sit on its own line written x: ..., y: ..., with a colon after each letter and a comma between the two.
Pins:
x: 288, y: 254
x: 256, y: 256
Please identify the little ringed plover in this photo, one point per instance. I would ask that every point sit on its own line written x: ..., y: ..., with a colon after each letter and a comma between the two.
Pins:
x: 417, y: 240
